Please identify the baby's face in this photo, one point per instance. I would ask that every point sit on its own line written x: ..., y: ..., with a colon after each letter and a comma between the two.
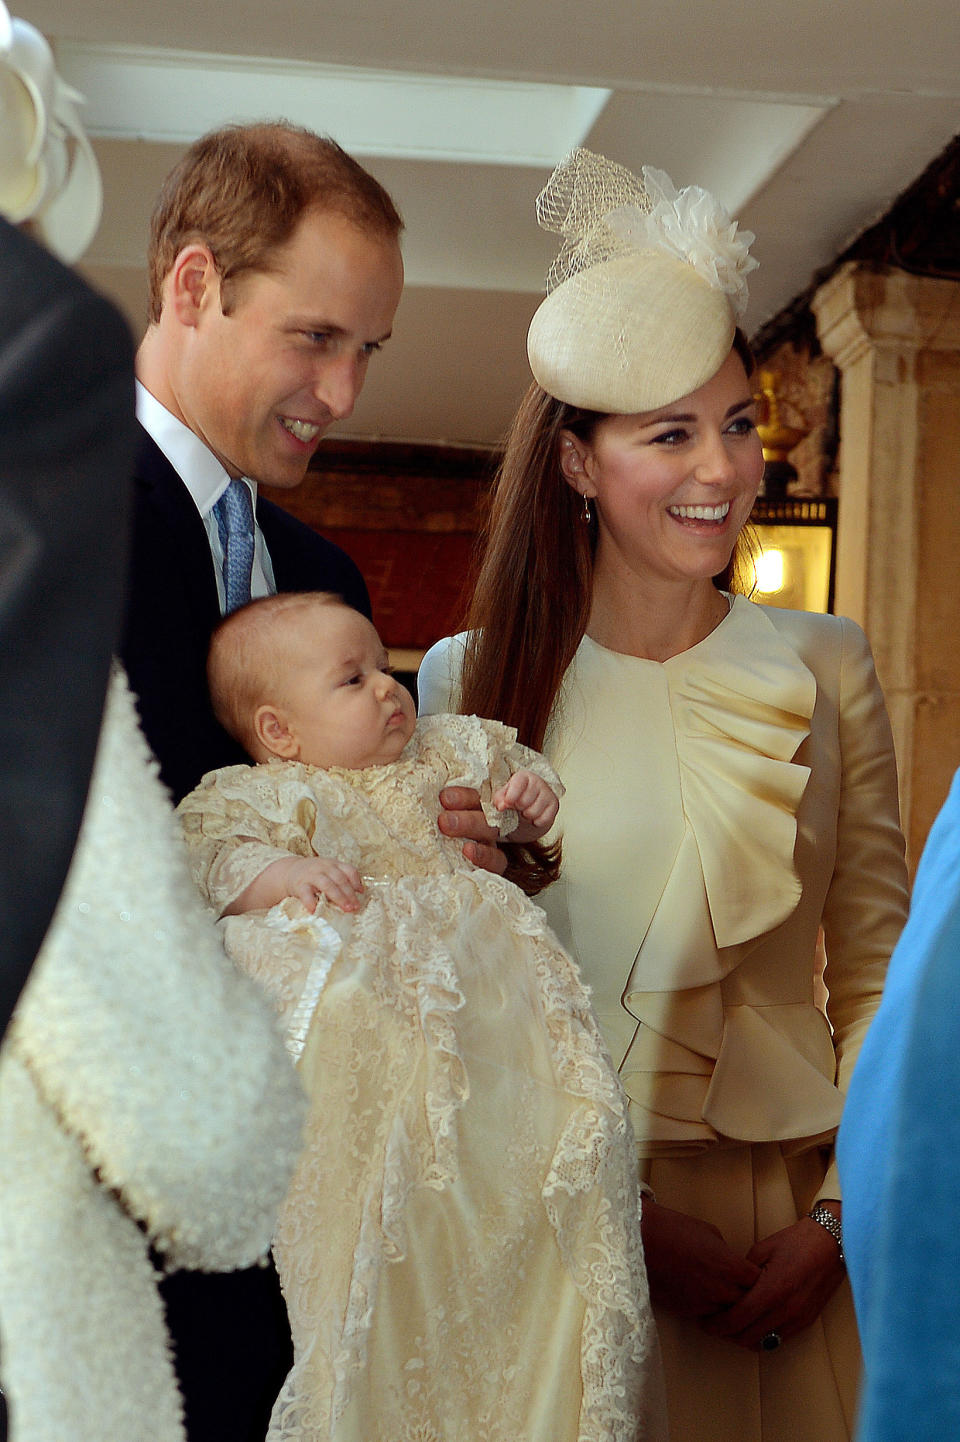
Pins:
x: 340, y: 700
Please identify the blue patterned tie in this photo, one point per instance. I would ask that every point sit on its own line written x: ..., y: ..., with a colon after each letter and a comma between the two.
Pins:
x: 234, y: 513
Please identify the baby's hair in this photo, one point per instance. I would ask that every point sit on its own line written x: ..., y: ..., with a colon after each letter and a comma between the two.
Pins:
x: 249, y: 654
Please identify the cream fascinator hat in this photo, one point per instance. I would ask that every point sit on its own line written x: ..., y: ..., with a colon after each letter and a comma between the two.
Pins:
x: 48, y: 172
x: 645, y: 293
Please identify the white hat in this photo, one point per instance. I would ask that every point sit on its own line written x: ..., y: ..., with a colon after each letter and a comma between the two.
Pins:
x: 646, y: 292
x: 48, y: 172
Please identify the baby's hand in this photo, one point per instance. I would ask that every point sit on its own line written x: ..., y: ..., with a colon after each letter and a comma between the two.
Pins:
x: 536, y: 802
x: 310, y: 877
x: 305, y: 877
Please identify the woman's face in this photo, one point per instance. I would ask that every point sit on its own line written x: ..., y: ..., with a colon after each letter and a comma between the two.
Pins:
x: 673, y: 487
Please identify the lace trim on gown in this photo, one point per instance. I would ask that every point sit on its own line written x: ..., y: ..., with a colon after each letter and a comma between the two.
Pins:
x: 431, y: 987
x: 587, y: 1190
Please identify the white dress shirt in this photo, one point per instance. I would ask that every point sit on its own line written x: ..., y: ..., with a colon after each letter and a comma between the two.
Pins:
x: 206, y: 480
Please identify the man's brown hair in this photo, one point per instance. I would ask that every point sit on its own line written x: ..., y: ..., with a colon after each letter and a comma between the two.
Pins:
x: 243, y: 191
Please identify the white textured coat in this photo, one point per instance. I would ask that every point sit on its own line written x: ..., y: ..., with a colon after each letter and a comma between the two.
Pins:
x: 145, y: 1100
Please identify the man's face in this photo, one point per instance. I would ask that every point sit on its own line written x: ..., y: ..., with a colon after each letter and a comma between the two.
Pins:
x: 261, y: 385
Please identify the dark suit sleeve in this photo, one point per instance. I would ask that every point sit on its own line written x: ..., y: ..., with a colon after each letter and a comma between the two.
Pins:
x: 171, y: 610
x: 304, y: 561
x: 67, y: 436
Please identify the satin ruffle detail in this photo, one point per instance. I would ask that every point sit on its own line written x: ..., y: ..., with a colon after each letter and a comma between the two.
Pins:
x: 698, y: 1068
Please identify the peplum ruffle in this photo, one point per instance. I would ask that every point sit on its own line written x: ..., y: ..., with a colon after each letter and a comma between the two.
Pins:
x: 699, y: 1068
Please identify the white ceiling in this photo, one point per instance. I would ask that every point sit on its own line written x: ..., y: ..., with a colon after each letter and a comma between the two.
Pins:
x: 805, y: 119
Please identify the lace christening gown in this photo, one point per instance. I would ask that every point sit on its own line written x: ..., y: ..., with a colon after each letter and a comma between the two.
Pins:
x: 460, y: 1249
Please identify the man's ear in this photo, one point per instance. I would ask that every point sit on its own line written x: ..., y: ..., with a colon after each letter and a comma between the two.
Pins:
x: 272, y: 731
x: 576, y: 463
x: 192, y: 283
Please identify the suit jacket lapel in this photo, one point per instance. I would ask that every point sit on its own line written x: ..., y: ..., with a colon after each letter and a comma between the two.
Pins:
x: 172, y: 507
x: 293, y: 551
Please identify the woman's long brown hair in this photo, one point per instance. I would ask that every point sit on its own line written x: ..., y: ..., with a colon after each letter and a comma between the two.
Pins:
x: 532, y: 598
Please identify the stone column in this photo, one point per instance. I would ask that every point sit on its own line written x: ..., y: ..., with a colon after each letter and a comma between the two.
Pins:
x: 896, y: 340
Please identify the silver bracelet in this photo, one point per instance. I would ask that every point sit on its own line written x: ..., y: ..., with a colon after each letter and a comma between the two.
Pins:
x: 832, y: 1224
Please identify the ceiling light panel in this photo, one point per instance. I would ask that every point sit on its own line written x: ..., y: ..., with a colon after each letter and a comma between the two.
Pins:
x: 174, y: 96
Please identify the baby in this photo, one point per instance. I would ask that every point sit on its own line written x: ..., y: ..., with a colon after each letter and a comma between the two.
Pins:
x: 459, y: 1249
x: 340, y: 707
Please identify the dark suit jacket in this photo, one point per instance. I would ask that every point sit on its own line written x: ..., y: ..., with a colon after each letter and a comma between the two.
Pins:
x: 67, y: 436
x: 172, y: 608
x: 230, y: 1333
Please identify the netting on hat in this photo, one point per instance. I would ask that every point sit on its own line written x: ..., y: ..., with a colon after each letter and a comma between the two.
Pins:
x: 574, y: 203
x: 601, y: 210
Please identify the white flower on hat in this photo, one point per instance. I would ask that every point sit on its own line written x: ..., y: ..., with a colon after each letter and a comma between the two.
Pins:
x: 692, y: 225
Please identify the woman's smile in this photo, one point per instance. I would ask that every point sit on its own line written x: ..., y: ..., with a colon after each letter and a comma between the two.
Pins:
x: 700, y: 513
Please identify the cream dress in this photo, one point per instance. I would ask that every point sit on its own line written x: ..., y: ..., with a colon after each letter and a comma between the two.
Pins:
x: 719, y: 808
x: 459, y: 1250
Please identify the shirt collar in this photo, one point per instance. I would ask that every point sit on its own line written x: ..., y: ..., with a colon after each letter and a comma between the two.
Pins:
x: 193, y: 461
